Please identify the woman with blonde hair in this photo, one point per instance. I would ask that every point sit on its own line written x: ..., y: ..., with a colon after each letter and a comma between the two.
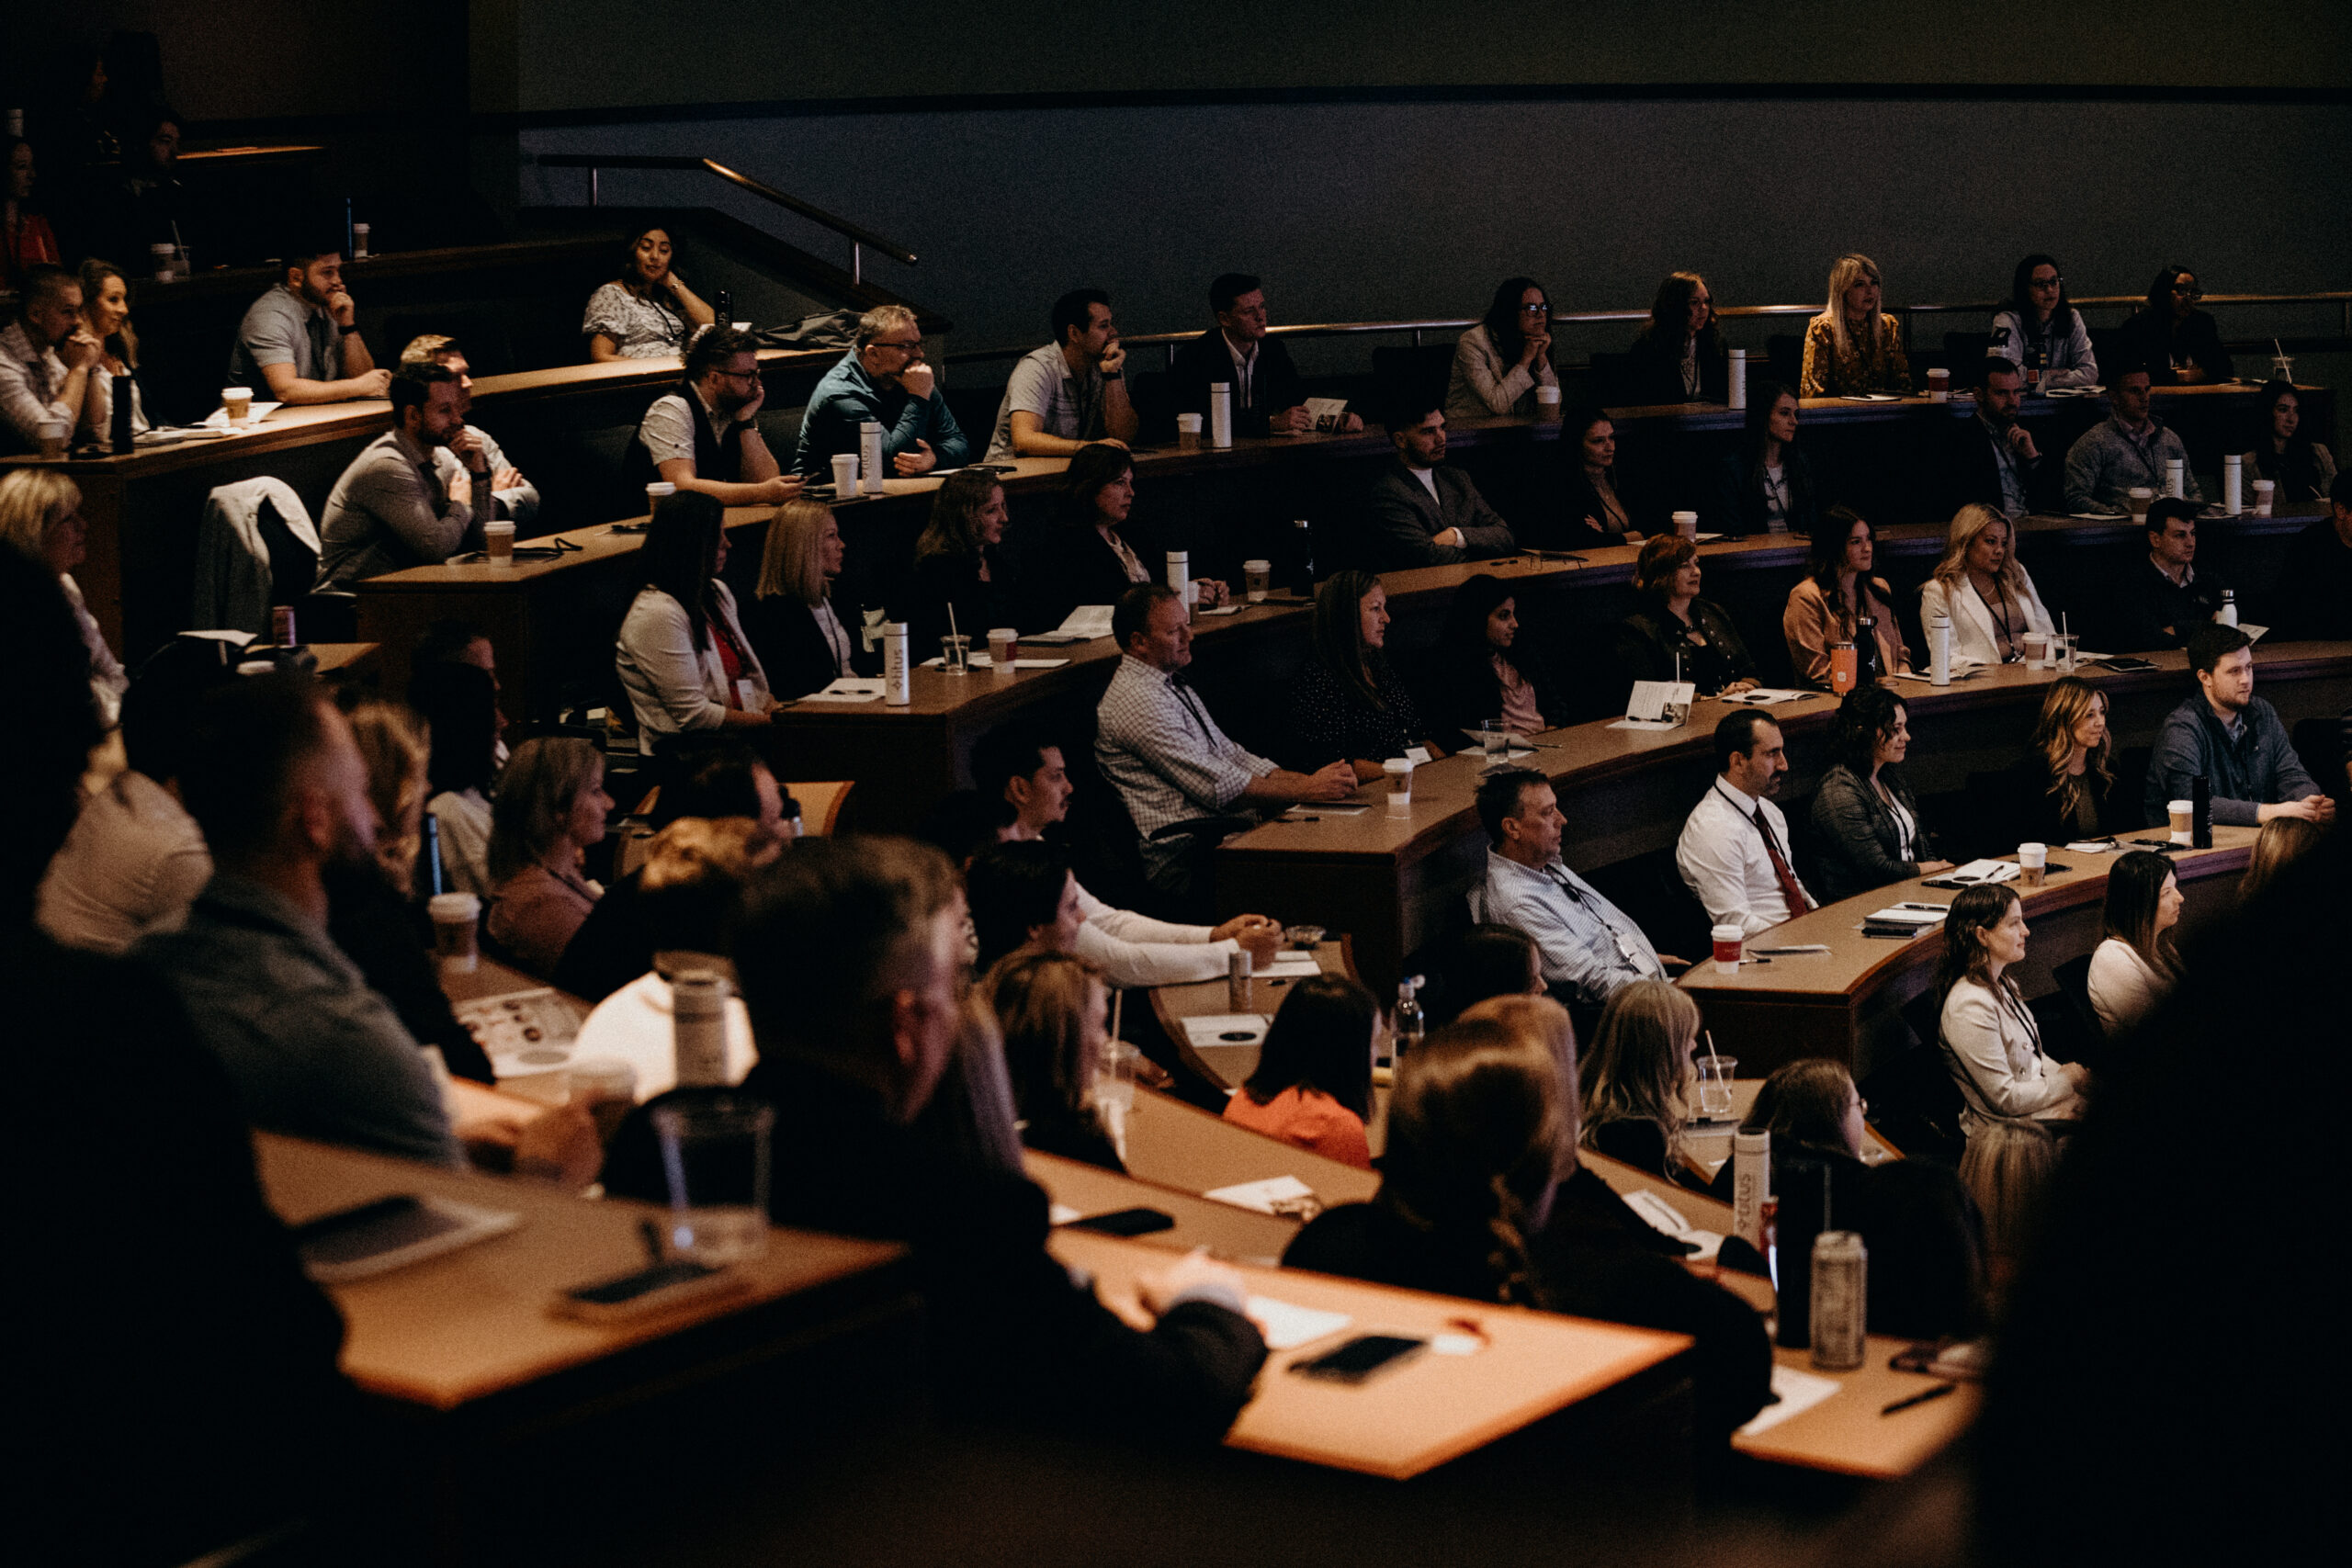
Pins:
x: 1983, y: 587
x: 551, y: 807
x: 801, y: 638
x: 41, y: 514
x: 396, y: 746
x: 1853, y: 348
x: 1633, y: 1077
x: 2063, y: 789
x: 2282, y: 841
x: 1055, y: 1012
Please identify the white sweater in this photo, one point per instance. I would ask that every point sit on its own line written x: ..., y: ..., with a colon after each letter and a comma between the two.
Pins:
x: 1135, y: 950
x: 2123, y: 988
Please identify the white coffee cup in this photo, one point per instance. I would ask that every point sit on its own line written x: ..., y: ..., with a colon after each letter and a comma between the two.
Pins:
x: 1258, y: 575
x: 1939, y: 386
x: 1687, y: 525
x: 1728, y: 941
x: 1547, y: 404
x: 359, y: 241
x: 1187, y: 432
x: 2141, y: 495
x: 456, y: 917
x: 608, y: 1086
x: 498, y: 541
x: 53, y: 438
x: 2184, y: 817
x: 844, y: 476
x: 2264, y: 490
x: 239, y: 402
x: 2033, y: 861
x: 1005, y: 646
x: 1399, y: 773
x: 163, y: 261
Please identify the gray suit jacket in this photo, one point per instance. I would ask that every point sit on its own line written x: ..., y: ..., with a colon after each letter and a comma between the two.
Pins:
x: 1403, y: 523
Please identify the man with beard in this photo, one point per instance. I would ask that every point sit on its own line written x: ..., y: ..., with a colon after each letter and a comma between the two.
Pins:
x: 273, y: 777
x: 1734, y: 852
x: 2233, y: 738
x: 415, y: 495
x: 517, y: 497
x: 301, y: 338
x: 706, y: 436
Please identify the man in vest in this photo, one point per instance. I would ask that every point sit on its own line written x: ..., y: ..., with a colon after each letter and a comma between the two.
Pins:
x: 706, y: 436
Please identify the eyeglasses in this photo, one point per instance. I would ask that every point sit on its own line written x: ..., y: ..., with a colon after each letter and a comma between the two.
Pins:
x: 914, y: 347
x: 1535, y: 310
x: 2186, y: 291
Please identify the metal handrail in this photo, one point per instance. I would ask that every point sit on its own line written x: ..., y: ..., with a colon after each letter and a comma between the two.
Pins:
x: 858, y: 237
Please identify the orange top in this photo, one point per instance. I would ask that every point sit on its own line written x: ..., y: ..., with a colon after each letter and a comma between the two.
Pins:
x: 1310, y: 1119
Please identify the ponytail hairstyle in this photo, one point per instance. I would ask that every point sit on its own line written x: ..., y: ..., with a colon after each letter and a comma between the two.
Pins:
x: 1481, y: 1127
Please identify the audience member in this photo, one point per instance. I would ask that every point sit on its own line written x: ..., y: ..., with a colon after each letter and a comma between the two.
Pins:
x: 2042, y: 332
x: 647, y: 312
x: 1866, y: 821
x: 681, y: 655
x: 2007, y: 1083
x: 2231, y: 738
x: 271, y: 775
x: 106, y: 315
x: 1924, y: 1236
x: 1056, y: 1016
x: 1312, y: 1086
x: 1269, y: 399
x: 2282, y: 841
x: 135, y: 860
x: 1853, y: 349
x: 1838, y: 601
x: 517, y: 497
x: 1480, y: 1197
x: 1501, y: 359
x: 1346, y: 701
x: 1487, y: 665
x: 793, y: 618
x: 1734, y: 849
x: 1071, y: 392
x: 2163, y: 604
x: 1992, y: 460
x: 2315, y: 583
x: 2063, y: 789
x: 2175, y: 340
x: 415, y: 495
x: 850, y: 954
x: 1157, y: 745
x: 551, y: 808
x: 47, y: 356
x: 2135, y: 964
x: 1679, y: 357
x: 299, y: 342
x: 960, y: 565
x: 1590, y: 948
x: 2127, y: 451
x: 26, y: 239
x: 146, y: 204
x: 2284, y: 452
x: 883, y: 380
x: 1018, y: 772
x: 1090, y: 562
x: 734, y: 822
x: 1424, y: 515
x: 1591, y: 513
x: 1636, y: 1076
x: 1984, y: 589
x: 1768, y: 485
x: 225, y: 1415
x: 1024, y: 899
x: 704, y: 437
x: 1676, y: 635
x: 458, y: 706
x: 1490, y: 960
x: 40, y: 517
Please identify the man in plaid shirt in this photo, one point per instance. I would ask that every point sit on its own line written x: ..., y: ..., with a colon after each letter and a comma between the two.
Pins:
x: 1155, y: 741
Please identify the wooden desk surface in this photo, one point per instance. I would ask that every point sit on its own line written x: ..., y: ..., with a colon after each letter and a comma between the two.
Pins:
x: 1847, y: 1432
x: 1417, y: 1415
x: 474, y: 1322
x: 1231, y: 1064
x: 1180, y: 1146
x: 1238, y: 1236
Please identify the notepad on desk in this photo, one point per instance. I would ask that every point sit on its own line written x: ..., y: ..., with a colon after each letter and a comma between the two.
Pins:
x: 1667, y: 1220
x: 1286, y: 1326
x: 1293, y: 966
x: 1795, y: 1393
x: 1274, y: 1195
x: 1904, y: 920
x: 1083, y: 624
x: 848, y: 689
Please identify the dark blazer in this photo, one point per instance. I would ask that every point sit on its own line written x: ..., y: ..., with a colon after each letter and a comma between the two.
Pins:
x: 1569, y: 531
x: 1972, y: 473
x: 2030, y: 813
x: 1653, y: 372
x: 1640, y: 1143
x: 2156, y: 341
x: 1588, y: 1261
x: 1330, y: 721
x: 2146, y: 601
x: 1739, y: 494
x: 1010, y: 1334
x: 782, y: 631
x: 1854, y: 833
x: 1924, y: 1238
x: 1274, y: 383
x: 938, y: 580
x: 1402, y: 521
x: 1070, y: 567
x: 1467, y: 692
x: 1649, y: 638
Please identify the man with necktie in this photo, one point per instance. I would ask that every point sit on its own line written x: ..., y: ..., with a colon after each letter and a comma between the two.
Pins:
x: 1734, y: 852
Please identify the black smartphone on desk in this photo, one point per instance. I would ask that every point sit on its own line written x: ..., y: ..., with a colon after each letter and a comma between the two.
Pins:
x: 1359, y: 1358
x: 1127, y: 1221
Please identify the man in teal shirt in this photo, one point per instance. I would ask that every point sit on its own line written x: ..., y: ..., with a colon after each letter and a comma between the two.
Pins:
x: 882, y: 378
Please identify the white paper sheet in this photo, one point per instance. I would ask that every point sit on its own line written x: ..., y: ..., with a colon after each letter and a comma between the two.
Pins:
x: 1292, y: 966
x: 1799, y: 1392
x: 219, y: 418
x: 1272, y: 1196
x: 1757, y: 696
x: 1085, y: 624
x: 848, y: 689
x: 1287, y: 1325
x: 1061, y: 1214
x: 1665, y: 1218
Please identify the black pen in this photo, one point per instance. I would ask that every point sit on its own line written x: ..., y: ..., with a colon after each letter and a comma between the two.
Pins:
x: 1921, y: 1397
x: 652, y: 1235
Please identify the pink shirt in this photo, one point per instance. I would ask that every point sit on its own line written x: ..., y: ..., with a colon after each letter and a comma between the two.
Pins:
x: 1310, y: 1119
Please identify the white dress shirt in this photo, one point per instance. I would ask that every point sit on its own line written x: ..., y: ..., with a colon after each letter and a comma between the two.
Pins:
x: 1723, y: 859
x: 1585, y: 940
x: 1134, y: 950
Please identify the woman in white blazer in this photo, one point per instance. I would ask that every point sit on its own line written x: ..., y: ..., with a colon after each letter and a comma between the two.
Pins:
x: 681, y: 655
x: 1989, y: 1035
x: 1499, y: 362
x: 1980, y: 585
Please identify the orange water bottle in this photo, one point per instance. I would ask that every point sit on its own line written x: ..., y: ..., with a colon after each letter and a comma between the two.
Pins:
x: 1844, y: 663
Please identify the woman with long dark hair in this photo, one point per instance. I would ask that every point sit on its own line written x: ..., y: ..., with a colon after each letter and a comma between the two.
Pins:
x: 2179, y: 344
x: 648, y: 311
x: 26, y: 238
x: 1348, y: 703
x: 681, y: 655
x: 2042, y: 332
x: 1024, y: 898
x: 551, y: 808
x: 1312, y: 1086
x: 1989, y: 1034
x: 1487, y: 665
x: 2284, y: 452
x: 959, y: 561
x: 1499, y: 362
x: 2135, y: 965
x: 1087, y: 559
x: 1592, y: 512
x: 1768, y: 486
x: 1679, y: 357
x: 1865, y: 818
x: 1836, y: 594
x: 1674, y: 623
x: 105, y: 310
x: 2063, y: 789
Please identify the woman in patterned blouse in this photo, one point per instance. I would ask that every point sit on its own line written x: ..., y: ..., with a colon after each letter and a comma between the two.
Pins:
x: 1852, y: 347
x: 648, y: 311
x: 1348, y: 705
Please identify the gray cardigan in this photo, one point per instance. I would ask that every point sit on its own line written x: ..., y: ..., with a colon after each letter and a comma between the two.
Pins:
x: 1856, y: 832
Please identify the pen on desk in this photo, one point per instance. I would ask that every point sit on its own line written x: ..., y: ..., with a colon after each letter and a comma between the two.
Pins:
x: 652, y: 1235
x: 1921, y: 1397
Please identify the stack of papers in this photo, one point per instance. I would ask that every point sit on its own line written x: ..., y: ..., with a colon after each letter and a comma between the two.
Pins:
x: 1985, y: 871
x: 1289, y: 966
x: 1085, y: 624
x: 1904, y: 920
x: 1275, y: 1195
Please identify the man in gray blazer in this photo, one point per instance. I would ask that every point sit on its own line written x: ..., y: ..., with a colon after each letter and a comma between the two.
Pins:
x: 1425, y: 514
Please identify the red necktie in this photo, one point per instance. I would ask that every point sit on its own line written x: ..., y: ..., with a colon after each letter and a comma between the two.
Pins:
x: 1789, y: 888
